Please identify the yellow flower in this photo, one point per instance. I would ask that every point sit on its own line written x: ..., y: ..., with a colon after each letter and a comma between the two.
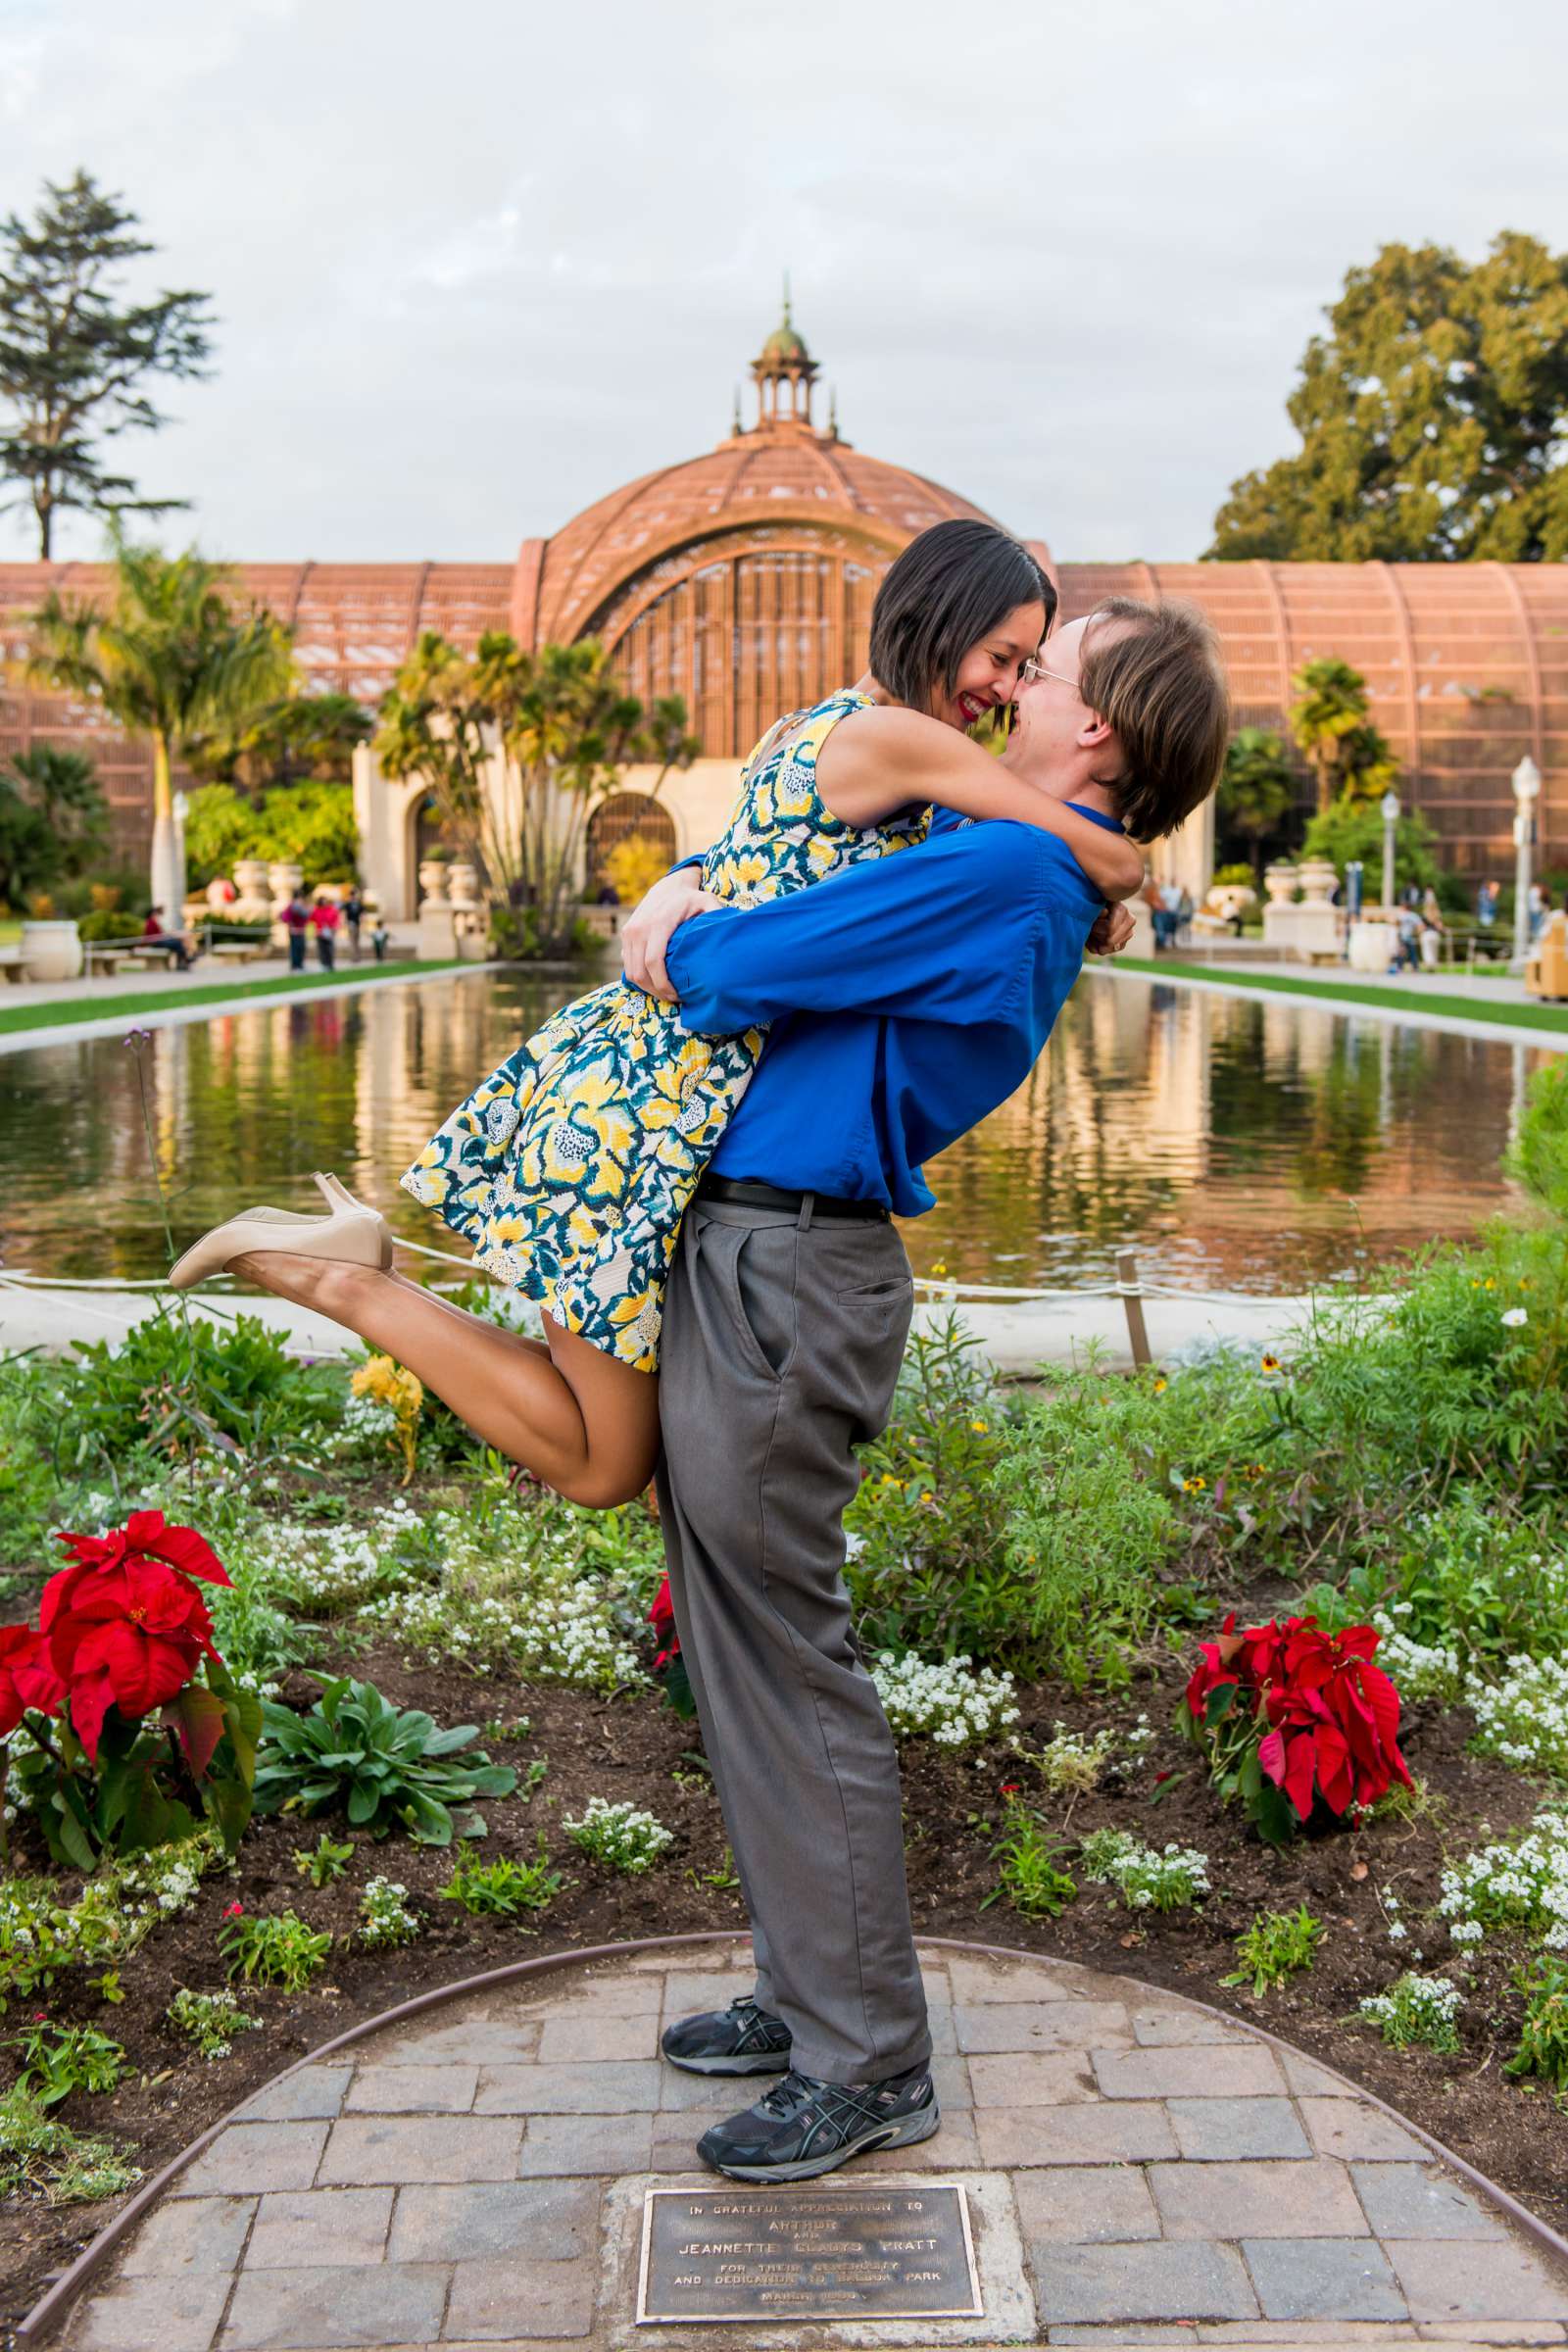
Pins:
x: 888, y: 1478
x: 941, y: 1265
x: 1271, y: 1363
x: 391, y: 1385
x: 1194, y: 1486
x: 980, y: 1427
x: 1490, y: 1283
x: 1161, y: 1386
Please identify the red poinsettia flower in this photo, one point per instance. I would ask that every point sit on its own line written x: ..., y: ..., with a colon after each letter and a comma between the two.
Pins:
x: 126, y: 1626
x: 27, y: 1678
x: 1332, y: 1716
x: 661, y: 1617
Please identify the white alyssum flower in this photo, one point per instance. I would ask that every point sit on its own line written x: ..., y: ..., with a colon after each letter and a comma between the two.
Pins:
x: 951, y: 1699
x: 1522, y: 1717
x: 384, y: 1916
x: 1419, y: 1669
x: 1146, y: 1878
x: 620, y: 1835
x: 1416, y: 2009
x: 1072, y: 1761
x: 1520, y: 1882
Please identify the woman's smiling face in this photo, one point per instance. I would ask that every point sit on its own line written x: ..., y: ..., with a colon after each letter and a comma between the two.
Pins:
x: 987, y: 674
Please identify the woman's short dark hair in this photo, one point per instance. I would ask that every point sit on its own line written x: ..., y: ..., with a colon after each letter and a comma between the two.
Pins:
x: 949, y: 587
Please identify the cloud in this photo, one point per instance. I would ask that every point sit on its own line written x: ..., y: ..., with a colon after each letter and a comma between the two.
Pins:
x: 474, y: 269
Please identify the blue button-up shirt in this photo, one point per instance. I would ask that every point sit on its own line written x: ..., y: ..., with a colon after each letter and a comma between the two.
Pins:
x: 908, y: 997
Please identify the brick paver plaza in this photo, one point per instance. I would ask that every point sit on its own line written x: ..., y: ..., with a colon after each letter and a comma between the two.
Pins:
x: 1138, y: 2172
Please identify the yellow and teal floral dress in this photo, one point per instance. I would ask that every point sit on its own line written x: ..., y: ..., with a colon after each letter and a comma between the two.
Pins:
x: 569, y: 1169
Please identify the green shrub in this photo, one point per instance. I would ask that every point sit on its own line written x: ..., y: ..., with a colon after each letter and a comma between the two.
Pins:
x: 37, y: 2154
x: 272, y: 1950
x: 1032, y: 1878
x: 57, y: 2060
x: 1544, y: 2037
x: 1275, y: 1947
x: 382, y: 1765
x: 326, y: 1862
x: 168, y: 1383
x: 210, y: 2019
x: 502, y: 1887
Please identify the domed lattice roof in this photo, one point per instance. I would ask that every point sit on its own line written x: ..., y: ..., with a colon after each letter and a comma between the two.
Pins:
x: 771, y: 477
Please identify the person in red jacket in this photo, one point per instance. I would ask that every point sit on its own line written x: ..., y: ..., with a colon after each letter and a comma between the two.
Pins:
x: 325, y: 921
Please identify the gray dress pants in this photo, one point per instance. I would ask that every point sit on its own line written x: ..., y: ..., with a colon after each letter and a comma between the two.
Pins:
x: 782, y: 1342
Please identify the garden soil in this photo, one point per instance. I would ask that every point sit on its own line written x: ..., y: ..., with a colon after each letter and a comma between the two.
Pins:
x: 636, y: 1748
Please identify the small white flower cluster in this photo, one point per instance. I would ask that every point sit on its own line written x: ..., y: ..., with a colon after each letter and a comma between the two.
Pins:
x: 1071, y: 1762
x: 620, y: 1835
x: 384, y: 1917
x: 1419, y: 1669
x: 340, y: 1568
x: 1416, y: 2009
x: 170, y: 1881
x: 1140, y: 1740
x: 1523, y: 1719
x: 210, y: 2020
x: 559, y: 1634
x: 1519, y: 1883
x: 1145, y: 1878
x: 1399, y: 1932
x: 949, y: 1698
x: 367, y: 1424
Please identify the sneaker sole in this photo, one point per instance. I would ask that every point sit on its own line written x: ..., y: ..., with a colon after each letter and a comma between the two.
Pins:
x: 751, y: 2062
x: 903, y: 2135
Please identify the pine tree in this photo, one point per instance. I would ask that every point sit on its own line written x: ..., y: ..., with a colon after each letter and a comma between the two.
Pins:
x: 74, y: 356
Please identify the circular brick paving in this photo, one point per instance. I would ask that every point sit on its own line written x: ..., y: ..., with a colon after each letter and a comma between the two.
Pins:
x: 1139, y: 2171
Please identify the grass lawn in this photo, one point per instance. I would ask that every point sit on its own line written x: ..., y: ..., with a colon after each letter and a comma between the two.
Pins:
x: 1532, y: 1015
x: 67, y: 1013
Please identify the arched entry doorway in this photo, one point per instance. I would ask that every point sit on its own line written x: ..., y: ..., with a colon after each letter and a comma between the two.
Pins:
x: 628, y: 816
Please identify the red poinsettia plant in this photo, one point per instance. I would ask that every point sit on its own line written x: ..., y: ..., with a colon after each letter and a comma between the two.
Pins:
x: 669, y: 1667
x: 124, y: 1634
x: 1297, y: 1721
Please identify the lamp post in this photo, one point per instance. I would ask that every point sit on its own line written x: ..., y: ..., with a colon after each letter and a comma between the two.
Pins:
x: 1526, y: 790
x: 1391, y: 818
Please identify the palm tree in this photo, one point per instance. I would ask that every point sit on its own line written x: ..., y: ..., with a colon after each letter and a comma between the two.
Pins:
x: 1331, y: 705
x: 169, y: 659
x: 1255, y: 789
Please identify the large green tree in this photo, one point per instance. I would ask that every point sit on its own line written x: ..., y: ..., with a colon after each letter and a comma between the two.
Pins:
x: 310, y: 737
x: 76, y: 355
x: 1256, y: 789
x: 167, y: 657
x: 1433, y: 416
x: 53, y: 818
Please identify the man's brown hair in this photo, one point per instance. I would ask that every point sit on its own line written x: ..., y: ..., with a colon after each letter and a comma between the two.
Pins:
x: 1159, y: 681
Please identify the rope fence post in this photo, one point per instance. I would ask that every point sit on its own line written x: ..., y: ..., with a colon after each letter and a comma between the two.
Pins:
x: 1132, y: 1298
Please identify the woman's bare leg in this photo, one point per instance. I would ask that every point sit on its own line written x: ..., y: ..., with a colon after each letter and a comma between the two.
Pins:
x: 581, y: 1421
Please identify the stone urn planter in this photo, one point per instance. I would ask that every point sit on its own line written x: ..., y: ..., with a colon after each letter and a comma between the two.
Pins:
x: 1280, y: 880
x: 284, y: 879
x: 1319, y: 880
x: 51, y: 950
x: 463, y: 882
x: 1231, y: 898
x: 254, y: 896
x: 433, y: 874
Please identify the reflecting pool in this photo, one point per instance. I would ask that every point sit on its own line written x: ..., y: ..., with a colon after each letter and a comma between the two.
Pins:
x: 1236, y: 1143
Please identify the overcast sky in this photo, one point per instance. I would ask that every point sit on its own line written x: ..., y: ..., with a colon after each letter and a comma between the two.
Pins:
x: 476, y: 263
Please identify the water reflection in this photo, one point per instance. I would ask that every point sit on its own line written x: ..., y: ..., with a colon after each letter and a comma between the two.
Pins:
x: 1250, y: 1143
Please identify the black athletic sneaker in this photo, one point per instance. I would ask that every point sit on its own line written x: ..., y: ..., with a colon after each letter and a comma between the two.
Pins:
x: 803, y: 2127
x: 741, y: 2040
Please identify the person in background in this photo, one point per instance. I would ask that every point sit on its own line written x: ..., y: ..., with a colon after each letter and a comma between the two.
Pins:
x: 1407, y: 953
x: 353, y: 917
x: 1486, y: 905
x: 1433, y: 931
x: 323, y: 919
x: 153, y: 935
x: 1184, y: 917
x: 381, y: 938
x: 295, y: 919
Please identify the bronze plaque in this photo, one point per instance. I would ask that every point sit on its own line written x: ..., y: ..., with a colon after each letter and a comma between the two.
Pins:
x: 807, y: 2253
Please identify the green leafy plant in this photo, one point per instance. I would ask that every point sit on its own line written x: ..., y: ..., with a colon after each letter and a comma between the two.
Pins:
x: 1032, y: 1878
x: 271, y: 1949
x: 1544, y: 2036
x: 167, y: 1381
x: 57, y: 2060
x: 1146, y: 1877
x: 384, y: 1766
x: 500, y: 1890
x: 1415, y: 2012
x: 323, y: 1862
x: 1275, y: 1947
x: 210, y: 2019
x: 41, y: 2155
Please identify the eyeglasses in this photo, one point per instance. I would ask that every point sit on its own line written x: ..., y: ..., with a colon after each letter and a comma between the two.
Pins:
x: 1033, y: 670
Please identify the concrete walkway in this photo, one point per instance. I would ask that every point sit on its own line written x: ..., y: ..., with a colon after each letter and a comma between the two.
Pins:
x: 1138, y: 2171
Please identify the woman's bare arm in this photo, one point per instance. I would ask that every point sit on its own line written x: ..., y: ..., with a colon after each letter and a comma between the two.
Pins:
x: 878, y: 762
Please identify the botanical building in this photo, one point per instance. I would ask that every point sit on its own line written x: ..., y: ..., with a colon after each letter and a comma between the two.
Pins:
x: 741, y: 580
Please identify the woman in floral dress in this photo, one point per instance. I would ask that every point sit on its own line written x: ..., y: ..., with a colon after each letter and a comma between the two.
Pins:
x: 568, y: 1169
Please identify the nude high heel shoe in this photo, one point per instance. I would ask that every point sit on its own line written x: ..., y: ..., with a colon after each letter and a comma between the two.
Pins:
x: 351, y: 1232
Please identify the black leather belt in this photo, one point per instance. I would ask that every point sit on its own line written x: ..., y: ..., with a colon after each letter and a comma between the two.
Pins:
x: 772, y: 1196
